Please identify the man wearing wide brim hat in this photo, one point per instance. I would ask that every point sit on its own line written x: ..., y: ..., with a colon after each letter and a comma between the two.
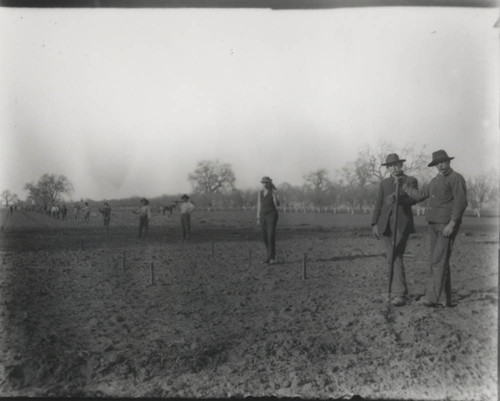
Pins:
x: 144, y: 213
x: 267, y: 180
x: 438, y: 157
x: 267, y: 217
x: 447, y: 196
x: 384, y: 224
x: 392, y: 159
x: 106, y: 214
x: 185, y: 208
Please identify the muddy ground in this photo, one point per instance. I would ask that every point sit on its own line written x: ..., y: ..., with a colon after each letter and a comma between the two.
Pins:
x: 79, y: 315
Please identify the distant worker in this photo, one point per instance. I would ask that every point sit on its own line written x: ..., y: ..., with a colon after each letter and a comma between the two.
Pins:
x: 54, y: 211
x: 76, y: 209
x: 383, y: 223
x: 144, y: 213
x: 447, y: 196
x: 64, y: 211
x: 86, y: 213
x: 186, y: 207
x: 106, y: 215
x: 267, y: 217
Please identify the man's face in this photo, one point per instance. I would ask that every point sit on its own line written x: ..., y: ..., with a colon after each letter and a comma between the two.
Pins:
x: 395, y: 169
x: 443, y: 167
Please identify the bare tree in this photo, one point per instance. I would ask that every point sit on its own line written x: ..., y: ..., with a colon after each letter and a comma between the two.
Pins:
x: 317, y: 180
x: 49, y: 189
x: 350, y: 183
x: 246, y: 198
x: 212, y: 176
x: 8, y: 197
x: 481, y: 190
x: 318, y: 187
x: 291, y: 196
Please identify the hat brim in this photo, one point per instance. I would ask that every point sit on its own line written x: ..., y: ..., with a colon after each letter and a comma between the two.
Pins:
x: 394, y: 162
x: 440, y: 160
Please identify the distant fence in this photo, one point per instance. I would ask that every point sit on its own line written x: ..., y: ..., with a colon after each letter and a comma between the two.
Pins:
x: 292, y: 209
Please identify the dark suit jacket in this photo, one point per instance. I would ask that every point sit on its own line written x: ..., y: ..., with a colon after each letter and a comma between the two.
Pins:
x: 383, y: 213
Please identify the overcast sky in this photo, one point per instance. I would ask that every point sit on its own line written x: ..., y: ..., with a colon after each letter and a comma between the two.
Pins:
x: 125, y: 102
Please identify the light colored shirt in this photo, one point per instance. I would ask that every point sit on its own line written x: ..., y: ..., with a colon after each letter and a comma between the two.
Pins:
x: 186, y: 207
x: 144, y: 211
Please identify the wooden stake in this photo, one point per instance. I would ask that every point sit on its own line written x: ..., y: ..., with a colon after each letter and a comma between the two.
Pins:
x: 81, y: 245
x: 304, y: 266
x: 152, y: 274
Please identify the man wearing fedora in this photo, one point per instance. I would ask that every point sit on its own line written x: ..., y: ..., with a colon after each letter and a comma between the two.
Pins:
x: 144, y: 213
x: 383, y: 222
x: 447, y: 195
x: 106, y: 215
x: 267, y: 217
x: 186, y: 208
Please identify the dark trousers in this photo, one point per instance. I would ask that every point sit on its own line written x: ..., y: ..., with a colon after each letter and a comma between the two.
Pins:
x: 398, y: 286
x: 268, y: 223
x: 143, y: 225
x: 186, y: 226
x: 438, y: 289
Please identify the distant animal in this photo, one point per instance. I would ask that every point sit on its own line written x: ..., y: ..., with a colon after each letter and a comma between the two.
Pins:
x: 170, y: 208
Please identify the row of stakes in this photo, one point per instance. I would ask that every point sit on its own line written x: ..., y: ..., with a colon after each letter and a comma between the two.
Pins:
x: 152, y: 276
x: 152, y: 273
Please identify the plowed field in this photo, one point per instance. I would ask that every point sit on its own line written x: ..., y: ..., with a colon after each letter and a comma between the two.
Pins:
x: 82, y: 315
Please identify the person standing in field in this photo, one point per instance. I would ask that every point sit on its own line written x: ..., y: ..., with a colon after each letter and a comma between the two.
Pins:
x: 447, y: 194
x: 144, y: 215
x: 186, y: 207
x: 64, y: 211
x: 106, y: 214
x: 383, y: 223
x: 86, y: 213
x: 77, y: 208
x: 267, y: 217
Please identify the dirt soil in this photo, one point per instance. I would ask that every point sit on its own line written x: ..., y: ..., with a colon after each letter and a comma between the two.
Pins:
x: 81, y: 315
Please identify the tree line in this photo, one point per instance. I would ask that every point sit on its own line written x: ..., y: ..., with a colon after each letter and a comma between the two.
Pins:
x: 352, y: 189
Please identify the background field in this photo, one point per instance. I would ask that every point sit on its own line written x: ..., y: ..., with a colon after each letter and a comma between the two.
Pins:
x: 77, y: 320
